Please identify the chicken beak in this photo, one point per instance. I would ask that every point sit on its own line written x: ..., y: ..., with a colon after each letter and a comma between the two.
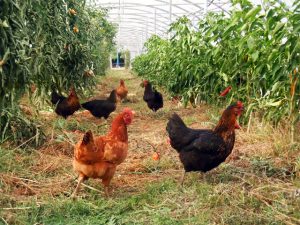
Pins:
x: 169, y: 141
x: 236, y: 125
x: 241, y: 110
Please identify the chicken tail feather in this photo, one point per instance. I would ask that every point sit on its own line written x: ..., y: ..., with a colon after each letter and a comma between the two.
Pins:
x: 177, y: 130
x: 87, y: 138
x: 112, y: 97
x: 55, y: 98
x: 86, y: 105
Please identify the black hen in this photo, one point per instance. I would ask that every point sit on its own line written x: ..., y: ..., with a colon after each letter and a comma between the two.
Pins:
x: 204, y: 149
x: 65, y: 106
x: 102, y: 108
x: 152, y: 97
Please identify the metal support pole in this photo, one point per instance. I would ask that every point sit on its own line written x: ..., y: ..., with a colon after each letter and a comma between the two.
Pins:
x: 155, y: 21
x: 119, y: 29
x: 147, y: 24
x: 118, y: 62
x: 205, y: 7
x: 140, y: 45
x: 125, y: 58
x: 170, y: 11
x: 170, y: 16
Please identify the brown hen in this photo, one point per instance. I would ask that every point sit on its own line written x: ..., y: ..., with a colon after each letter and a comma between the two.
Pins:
x: 121, y: 91
x: 98, y: 157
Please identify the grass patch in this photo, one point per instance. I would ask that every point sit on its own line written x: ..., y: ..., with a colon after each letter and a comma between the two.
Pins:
x: 259, y: 184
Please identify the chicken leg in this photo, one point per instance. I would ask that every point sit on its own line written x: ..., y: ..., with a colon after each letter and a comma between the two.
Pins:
x: 107, y: 179
x: 80, y: 180
x: 203, y: 174
x: 182, y: 178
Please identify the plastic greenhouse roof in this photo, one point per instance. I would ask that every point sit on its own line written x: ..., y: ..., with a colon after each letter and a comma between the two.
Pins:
x: 137, y: 20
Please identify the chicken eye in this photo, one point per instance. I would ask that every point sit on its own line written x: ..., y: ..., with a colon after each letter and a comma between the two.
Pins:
x: 236, y: 111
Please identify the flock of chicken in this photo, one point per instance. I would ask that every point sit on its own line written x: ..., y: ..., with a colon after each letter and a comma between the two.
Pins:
x: 67, y: 106
x: 98, y: 157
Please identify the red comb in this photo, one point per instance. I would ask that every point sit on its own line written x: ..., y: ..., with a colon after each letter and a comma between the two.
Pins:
x: 239, y: 104
x: 127, y: 109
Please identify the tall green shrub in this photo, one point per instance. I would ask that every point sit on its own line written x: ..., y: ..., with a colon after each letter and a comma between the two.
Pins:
x: 48, y: 44
x: 256, y: 50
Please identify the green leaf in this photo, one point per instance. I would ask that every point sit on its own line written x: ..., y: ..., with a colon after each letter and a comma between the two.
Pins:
x: 4, y: 24
x: 245, y: 27
x: 278, y: 27
x: 252, y: 13
x: 251, y: 43
x: 278, y: 103
x: 225, y: 77
x: 5, y: 57
x: 254, y: 56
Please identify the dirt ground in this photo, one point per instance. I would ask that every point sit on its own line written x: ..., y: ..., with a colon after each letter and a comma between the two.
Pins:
x: 147, y: 135
x: 47, y: 172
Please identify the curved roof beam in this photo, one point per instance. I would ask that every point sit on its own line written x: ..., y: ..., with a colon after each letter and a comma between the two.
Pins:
x: 131, y: 22
x: 132, y: 5
x: 166, y: 3
x: 196, y: 5
x: 176, y: 6
x: 139, y: 18
x: 220, y: 7
x: 145, y: 12
x: 150, y: 30
x: 140, y: 31
x: 140, y: 27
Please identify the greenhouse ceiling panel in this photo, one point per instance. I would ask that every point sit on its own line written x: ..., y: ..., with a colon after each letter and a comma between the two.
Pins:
x: 137, y: 20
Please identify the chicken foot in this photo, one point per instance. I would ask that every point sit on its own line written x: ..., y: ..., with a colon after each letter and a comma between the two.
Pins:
x: 106, y: 191
x: 106, y: 183
x: 202, y: 174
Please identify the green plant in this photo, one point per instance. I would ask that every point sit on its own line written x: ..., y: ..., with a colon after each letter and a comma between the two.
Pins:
x: 46, y: 45
x: 255, y: 50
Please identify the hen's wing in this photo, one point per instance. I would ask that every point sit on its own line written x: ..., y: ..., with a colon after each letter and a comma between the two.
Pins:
x: 206, y: 142
x: 89, y: 105
x: 180, y: 135
x: 148, y: 95
x: 94, y: 105
x: 112, y: 97
x: 107, y: 108
x: 186, y: 139
x: 159, y: 99
x: 88, y: 150
x: 204, y: 153
x: 99, y: 108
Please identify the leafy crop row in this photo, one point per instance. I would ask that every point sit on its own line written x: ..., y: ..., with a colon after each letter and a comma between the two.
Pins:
x: 255, y: 50
x: 46, y: 45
